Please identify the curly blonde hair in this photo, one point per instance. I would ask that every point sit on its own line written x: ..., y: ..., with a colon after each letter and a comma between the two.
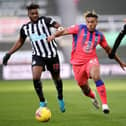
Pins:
x: 90, y: 14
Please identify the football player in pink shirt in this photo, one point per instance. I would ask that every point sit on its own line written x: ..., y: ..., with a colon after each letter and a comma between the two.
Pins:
x: 84, y: 59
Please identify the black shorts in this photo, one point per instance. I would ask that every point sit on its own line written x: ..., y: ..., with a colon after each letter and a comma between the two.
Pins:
x: 52, y: 64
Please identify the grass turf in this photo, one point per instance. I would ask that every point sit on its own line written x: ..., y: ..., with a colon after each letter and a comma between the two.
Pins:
x: 18, y: 103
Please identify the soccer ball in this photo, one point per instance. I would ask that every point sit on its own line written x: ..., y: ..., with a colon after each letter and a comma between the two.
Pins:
x: 43, y: 114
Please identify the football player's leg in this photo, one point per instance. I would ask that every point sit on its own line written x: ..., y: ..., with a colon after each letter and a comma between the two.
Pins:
x: 95, y: 74
x: 36, y: 71
x: 57, y: 80
x: 54, y: 68
x: 59, y: 87
x: 87, y: 90
x: 38, y: 66
x: 82, y: 80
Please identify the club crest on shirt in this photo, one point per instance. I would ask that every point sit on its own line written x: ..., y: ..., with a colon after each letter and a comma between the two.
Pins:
x: 34, y: 62
x: 87, y: 48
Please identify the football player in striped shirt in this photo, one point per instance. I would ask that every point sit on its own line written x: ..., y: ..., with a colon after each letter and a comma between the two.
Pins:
x: 44, y: 54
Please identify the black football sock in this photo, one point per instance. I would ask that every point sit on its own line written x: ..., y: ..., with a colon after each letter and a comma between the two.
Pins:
x: 59, y: 87
x: 38, y: 89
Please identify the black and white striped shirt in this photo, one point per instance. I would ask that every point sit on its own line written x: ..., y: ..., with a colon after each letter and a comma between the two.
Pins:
x: 38, y: 32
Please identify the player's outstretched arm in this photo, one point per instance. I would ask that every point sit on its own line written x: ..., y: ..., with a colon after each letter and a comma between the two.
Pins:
x: 121, y: 63
x: 117, y: 42
x: 116, y: 57
x: 60, y: 32
x: 14, y: 48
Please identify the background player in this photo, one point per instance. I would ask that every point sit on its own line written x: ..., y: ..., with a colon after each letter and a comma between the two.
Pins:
x: 84, y: 58
x: 117, y: 42
x: 44, y: 54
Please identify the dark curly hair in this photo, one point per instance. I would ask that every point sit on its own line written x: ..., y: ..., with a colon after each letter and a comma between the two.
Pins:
x: 32, y: 6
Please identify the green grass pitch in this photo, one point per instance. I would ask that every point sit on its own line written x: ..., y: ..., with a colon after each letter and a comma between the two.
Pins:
x: 18, y: 103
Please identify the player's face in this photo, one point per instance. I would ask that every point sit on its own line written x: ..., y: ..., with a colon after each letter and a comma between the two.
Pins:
x: 91, y: 23
x: 33, y: 15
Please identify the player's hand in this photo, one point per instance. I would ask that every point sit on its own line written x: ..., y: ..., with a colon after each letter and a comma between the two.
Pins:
x: 50, y: 38
x: 123, y: 65
x: 6, y: 58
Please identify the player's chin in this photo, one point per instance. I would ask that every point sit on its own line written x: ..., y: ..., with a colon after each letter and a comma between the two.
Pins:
x: 35, y: 19
x: 91, y: 30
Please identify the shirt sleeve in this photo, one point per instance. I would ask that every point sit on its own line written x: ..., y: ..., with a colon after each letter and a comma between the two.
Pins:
x: 73, y: 29
x: 50, y: 21
x: 22, y: 33
x: 103, y: 41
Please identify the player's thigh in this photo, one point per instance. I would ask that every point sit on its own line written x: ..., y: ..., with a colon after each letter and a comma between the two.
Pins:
x: 53, y: 66
x: 95, y: 72
x: 80, y: 74
x: 38, y: 65
x: 36, y: 72
x: 94, y: 69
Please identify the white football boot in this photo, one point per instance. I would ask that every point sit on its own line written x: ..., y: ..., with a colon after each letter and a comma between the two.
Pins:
x: 105, y: 108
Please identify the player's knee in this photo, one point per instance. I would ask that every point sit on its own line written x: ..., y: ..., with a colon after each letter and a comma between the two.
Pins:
x: 95, y: 77
x: 36, y: 77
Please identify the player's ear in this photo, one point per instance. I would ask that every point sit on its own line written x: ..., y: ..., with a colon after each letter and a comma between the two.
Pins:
x: 96, y: 21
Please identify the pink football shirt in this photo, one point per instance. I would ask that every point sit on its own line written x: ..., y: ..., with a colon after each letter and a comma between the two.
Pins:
x: 84, y: 43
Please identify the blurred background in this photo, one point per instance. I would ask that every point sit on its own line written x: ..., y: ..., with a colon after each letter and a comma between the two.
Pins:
x: 13, y: 13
